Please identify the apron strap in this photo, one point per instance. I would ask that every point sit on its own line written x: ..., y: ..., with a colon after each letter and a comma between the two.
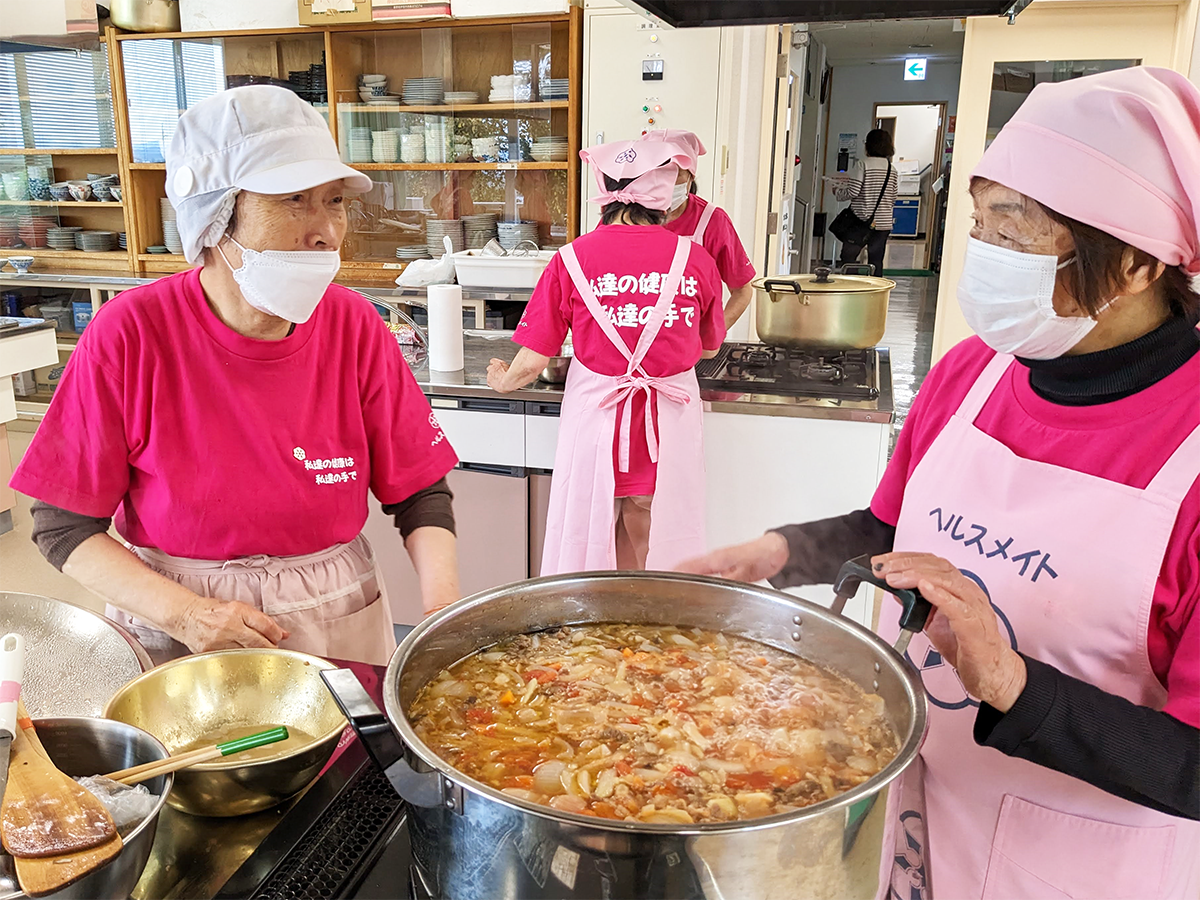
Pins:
x: 702, y: 225
x: 978, y: 395
x: 1178, y: 473
x: 571, y: 261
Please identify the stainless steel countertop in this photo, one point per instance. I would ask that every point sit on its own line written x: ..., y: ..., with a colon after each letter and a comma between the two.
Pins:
x: 481, y: 346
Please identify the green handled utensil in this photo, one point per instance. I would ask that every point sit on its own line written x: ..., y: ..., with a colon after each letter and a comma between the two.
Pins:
x: 146, y: 771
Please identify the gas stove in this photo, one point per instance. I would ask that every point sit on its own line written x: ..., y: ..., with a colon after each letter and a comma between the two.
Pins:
x: 763, y: 369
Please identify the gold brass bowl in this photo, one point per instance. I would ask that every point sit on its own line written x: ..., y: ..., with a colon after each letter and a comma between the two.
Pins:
x: 212, y: 697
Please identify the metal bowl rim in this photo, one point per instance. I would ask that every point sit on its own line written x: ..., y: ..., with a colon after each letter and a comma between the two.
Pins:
x: 143, y: 657
x: 170, y: 776
x: 222, y: 765
x: 914, y: 691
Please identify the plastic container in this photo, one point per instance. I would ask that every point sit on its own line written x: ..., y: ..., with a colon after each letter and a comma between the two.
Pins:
x: 62, y: 316
x: 81, y: 311
x: 475, y: 270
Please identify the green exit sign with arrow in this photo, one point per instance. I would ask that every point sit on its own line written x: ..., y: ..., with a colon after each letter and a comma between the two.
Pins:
x: 914, y: 69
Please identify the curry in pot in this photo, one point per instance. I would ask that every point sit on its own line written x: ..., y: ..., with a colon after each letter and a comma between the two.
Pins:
x: 653, y: 724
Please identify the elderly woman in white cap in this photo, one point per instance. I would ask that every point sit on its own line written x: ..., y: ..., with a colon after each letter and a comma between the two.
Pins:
x: 233, y: 416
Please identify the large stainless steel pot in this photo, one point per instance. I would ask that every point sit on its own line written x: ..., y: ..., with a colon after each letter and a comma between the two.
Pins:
x: 470, y: 841
x: 814, y: 312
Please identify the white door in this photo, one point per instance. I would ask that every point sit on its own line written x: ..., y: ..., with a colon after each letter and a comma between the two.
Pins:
x: 639, y: 77
x: 783, y: 243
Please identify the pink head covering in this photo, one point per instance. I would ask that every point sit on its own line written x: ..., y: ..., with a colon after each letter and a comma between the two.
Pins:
x: 652, y: 166
x: 1119, y: 151
x: 686, y: 141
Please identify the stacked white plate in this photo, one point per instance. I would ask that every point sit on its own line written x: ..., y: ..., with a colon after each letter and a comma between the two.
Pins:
x: 438, y: 138
x: 168, y: 211
x: 555, y: 88
x: 99, y: 241
x: 423, y: 91
x: 479, y: 229
x: 465, y: 97
x: 550, y: 149
x: 509, y: 89
x: 385, y: 146
x: 360, y: 144
x: 436, y: 229
x: 122, y: 240
x: 62, y: 238
x: 512, y: 233
x: 412, y: 251
x: 171, y: 237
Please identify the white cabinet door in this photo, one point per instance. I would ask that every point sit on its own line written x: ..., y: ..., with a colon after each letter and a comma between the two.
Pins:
x: 482, y: 430
x: 541, y: 440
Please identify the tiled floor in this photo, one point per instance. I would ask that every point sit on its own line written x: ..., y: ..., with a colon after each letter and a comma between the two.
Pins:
x: 909, y: 335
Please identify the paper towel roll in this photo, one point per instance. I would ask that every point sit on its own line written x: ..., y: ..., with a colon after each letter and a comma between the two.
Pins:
x: 445, y: 327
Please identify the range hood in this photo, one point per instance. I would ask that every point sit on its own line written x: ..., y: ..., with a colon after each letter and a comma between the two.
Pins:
x: 28, y: 25
x: 698, y: 13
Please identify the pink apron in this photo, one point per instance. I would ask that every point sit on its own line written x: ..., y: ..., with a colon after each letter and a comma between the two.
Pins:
x: 1069, y: 562
x: 702, y: 226
x: 580, y: 528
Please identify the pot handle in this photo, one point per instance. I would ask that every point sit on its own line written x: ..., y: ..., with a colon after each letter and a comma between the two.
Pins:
x: 780, y: 284
x: 915, y: 608
x: 374, y: 730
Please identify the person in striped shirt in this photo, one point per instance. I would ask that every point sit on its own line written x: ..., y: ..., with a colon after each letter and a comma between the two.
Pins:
x: 873, y: 181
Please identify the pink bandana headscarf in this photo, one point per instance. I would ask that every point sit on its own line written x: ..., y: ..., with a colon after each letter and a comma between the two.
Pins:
x: 1119, y: 151
x: 652, y: 166
x: 686, y: 141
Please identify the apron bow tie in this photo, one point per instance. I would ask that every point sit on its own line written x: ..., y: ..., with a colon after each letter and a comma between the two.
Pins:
x: 621, y: 395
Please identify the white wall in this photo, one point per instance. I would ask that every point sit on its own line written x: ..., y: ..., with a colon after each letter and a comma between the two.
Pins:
x: 916, y: 132
x: 237, y: 15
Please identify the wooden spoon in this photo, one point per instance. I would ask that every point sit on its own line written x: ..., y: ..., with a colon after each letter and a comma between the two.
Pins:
x: 49, y: 874
x: 46, y: 813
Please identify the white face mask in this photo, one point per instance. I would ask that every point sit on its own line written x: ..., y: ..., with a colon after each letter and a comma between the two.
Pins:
x: 1007, y: 299
x: 284, y: 283
x: 680, y: 194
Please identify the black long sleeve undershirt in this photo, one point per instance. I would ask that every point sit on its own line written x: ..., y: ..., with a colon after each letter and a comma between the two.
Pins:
x: 1063, y: 723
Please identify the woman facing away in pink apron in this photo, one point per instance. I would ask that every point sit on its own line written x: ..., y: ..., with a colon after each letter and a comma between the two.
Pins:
x: 1044, y: 497
x: 706, y: 223
x: 642, y: 306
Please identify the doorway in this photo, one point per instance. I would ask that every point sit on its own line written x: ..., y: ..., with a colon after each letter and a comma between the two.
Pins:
x: 918, y: 131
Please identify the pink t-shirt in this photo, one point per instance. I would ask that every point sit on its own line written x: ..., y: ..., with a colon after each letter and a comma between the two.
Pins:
x: 625, y: 264
x: 1126, y: 441
x: 720, y: 240
x: 210, y: 445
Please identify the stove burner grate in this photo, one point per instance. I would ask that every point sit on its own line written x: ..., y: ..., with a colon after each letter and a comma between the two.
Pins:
x: 760, y: 368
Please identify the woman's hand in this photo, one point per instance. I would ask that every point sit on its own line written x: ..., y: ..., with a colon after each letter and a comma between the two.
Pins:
x: 963, y: 626
x: 752, y: 561
x: 224, y: 625
x: 496, y: 371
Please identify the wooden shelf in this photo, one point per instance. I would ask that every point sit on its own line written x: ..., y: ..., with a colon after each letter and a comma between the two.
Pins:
x: 457, y: 167
x: 68, y: 151
x: 455, y: 108
x: 115, y: 204
x: 163, y: 257
x: 47, y: 253
x: 162, y: 166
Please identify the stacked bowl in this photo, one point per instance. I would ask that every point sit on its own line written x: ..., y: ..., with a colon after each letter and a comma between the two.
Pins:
x: 60, y: 191
x: 39, y: 182
x: 373, y: 89
x: 385, y: 146
x: 479, y: 229
x: 34, y: 230
x: 9, y: 236
x: 16, y: 185
x: 102, y: 187
x: 513, y: 233
x: 509, y: 89
x: 436, y: 229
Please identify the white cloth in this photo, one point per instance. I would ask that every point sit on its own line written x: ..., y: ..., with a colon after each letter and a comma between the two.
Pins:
x: 256, y: 138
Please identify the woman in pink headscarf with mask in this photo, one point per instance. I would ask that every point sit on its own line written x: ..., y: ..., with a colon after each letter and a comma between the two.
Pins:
x: 1044, y: 497
x: 642, y: 306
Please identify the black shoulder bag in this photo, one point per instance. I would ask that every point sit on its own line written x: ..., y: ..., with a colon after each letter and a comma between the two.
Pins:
x: 847, y: 227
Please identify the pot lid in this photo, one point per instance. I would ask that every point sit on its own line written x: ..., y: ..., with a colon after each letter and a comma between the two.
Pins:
x: 822, y: 283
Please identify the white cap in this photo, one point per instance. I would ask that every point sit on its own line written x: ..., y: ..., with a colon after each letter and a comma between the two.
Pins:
x: 256, y: 138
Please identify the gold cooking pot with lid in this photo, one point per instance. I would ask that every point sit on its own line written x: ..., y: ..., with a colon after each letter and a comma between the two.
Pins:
x: 822, y: 310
